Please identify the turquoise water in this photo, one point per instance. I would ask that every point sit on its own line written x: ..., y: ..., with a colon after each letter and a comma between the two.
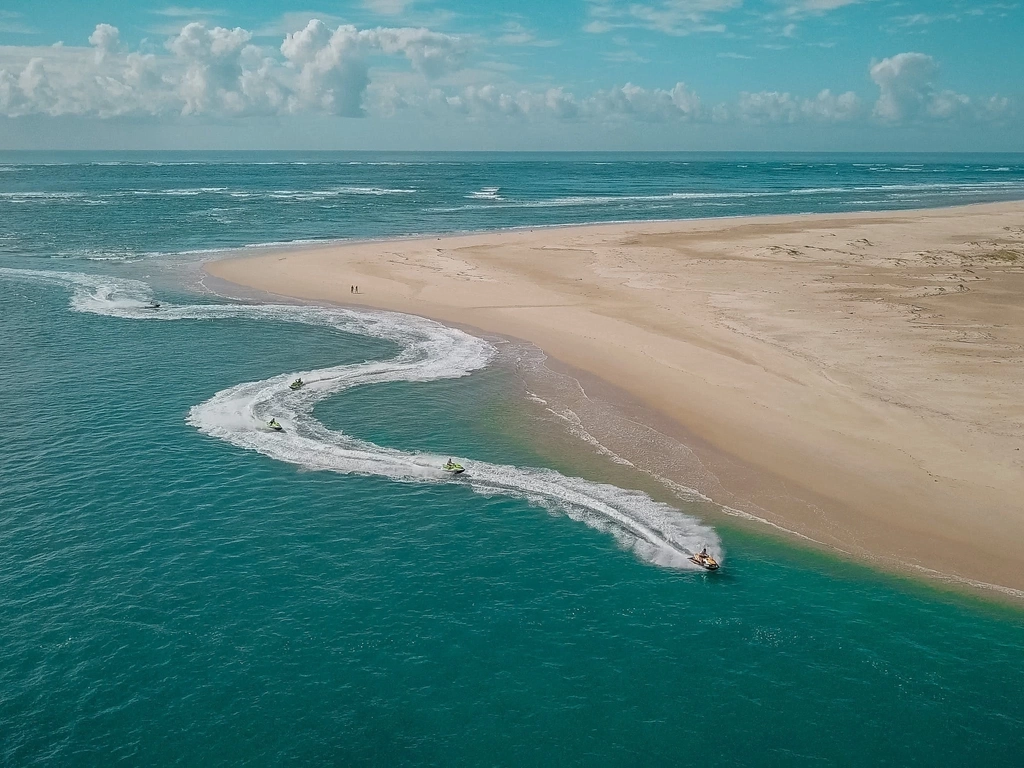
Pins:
x: 178, y: 587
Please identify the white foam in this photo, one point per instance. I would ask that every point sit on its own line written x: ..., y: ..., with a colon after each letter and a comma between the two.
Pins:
x: 574, y: 426
x: 487, y: 193
x: 429, y: 351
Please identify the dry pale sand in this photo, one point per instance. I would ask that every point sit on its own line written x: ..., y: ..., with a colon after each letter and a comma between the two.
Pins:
x: 857, y: 378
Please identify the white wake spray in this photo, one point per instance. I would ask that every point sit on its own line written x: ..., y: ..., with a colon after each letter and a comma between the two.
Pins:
x: 429, y: 351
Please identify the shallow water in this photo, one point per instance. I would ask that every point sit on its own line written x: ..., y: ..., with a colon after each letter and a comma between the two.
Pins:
x: 174, y: 595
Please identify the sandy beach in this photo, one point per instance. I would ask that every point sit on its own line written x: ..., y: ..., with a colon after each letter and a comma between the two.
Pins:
x: 852, y: 378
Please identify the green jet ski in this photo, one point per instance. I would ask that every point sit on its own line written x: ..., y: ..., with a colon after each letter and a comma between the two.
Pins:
x: 453, y: 468
x: 297, y: 384
x: 275, y: 425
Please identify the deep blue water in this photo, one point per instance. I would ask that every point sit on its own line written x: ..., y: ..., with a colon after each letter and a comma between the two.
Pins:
x: 175, y: 594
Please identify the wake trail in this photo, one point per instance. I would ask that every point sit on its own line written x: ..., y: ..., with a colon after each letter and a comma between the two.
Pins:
x: 428, y: 351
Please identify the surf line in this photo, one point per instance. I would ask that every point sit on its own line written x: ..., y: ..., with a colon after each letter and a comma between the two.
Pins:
x: 427, y: 351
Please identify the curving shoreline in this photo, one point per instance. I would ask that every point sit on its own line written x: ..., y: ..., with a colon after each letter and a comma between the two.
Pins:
x: 852, y: 376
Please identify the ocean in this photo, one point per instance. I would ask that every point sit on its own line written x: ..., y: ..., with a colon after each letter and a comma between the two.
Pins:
x: 181, y: 585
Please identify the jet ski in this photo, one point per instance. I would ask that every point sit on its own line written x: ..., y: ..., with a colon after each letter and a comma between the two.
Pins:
x: 705, y: 561
x: 153, y: 305
x: 275, y: 425
x: 453, y: 468
x: 297, y: 384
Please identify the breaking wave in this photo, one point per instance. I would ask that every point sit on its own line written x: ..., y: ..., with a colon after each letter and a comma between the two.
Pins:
x: 489, y: 199
x: 429, y: 351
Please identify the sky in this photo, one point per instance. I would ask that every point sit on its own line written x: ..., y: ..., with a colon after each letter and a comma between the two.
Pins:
x: 642, y: 75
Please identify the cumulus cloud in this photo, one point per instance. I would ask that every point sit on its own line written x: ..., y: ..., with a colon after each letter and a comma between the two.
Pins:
x: 93, y: 81
x: 650, y: 105
x: 768, y: 107
x: 994, y: 107
x: 947, y: 104
x: 830, y: 107
x: 105, y: 40
x: 331, y: 67
x: 905, y: 85
x: 212, y: 70
x: 776, y: 107
x: 907, y: 92
x: 332, y: 73
x: 628, y: 102
x: 222, y: 73
x: 481, y: 102
x: 338, y: 69
x: 431, y: 53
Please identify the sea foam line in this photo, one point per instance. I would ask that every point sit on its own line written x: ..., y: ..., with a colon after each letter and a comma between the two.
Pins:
x: 428, y: 351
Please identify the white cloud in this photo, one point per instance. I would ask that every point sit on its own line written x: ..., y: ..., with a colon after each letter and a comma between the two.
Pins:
x: 430, y: 53
x: 182, y: 12
x: 388, y: 7
x: 922, y: 19
x: 625, y: 56
x: 833, y: 108
x: 13, y: 23
x: 292, y: 21
x: 672, y: 17
x: 514, y: 33
x: 776, y: 107
x: 173, y: 17
x: 331, y: 67
x: 626, y: 102
x: 414, y: 13
x: 62, y: 80
x: 206, y: 70
x: 654, y: 105
x: 816, y: 7
x: 768, y: 107
x: 223, y: 73
x: 994, y: 108
x: 907, y: 93
x: 105, y: 39
x: 217, y: 71
x: 947, y: 104
x: 905, y: 85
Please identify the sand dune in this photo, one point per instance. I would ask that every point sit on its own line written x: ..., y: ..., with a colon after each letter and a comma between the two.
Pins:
x: 854, y: 378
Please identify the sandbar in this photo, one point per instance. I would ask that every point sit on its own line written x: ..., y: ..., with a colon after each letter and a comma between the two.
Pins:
x: 855, y: 378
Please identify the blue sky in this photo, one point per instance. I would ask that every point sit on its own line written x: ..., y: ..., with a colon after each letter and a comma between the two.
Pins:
x: 587, y: 74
